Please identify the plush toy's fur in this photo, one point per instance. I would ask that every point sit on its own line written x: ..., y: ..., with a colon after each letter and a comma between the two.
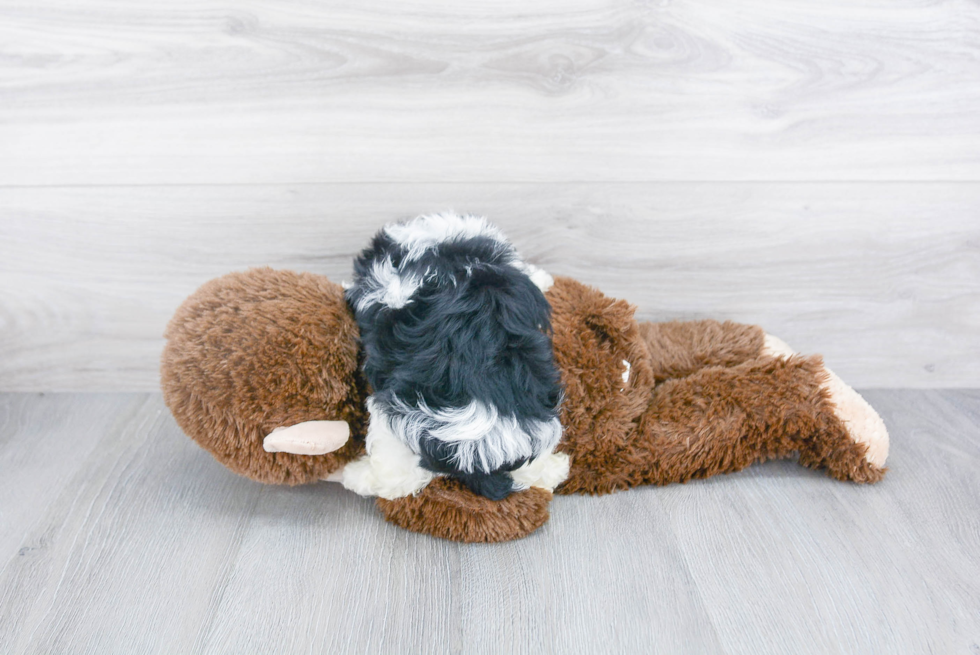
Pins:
x: 457, y: 350
x: 448, y: 510
x: 702, y: 398
x: 250, y: 352
x: 644, y: 403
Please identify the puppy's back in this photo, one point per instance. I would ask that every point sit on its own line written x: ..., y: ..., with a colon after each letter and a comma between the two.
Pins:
x: 455, y: 335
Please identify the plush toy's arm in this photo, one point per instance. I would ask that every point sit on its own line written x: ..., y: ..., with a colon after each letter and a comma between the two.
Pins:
x: 679, y: 348
x: 447, y: 509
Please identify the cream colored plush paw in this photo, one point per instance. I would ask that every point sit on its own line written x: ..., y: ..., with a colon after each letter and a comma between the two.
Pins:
x: 776, y: 347
x: 860, y: 419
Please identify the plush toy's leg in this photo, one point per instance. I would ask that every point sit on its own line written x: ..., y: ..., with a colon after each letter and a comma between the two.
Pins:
x: 722, y: 419
x: 862, y: 421
x: 680, y: 348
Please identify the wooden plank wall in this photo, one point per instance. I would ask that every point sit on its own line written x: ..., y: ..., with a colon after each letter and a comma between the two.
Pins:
x: 812, y: 167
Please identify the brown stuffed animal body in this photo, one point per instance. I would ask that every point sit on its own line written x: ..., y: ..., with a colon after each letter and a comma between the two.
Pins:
x: 262, y: 369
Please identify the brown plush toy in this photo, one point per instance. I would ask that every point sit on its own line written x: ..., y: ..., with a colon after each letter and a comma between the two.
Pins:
x: 261, y: 368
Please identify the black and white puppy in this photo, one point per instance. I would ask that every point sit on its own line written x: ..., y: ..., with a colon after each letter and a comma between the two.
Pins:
x: 455, y: 330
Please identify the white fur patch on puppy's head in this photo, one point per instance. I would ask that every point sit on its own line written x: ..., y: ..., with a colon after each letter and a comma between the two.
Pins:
x: 387, y: 286
x: 427, y: 231
x: 393, y: 286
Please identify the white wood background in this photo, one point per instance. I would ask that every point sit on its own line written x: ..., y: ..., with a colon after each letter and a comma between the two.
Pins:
x: 810, y: 166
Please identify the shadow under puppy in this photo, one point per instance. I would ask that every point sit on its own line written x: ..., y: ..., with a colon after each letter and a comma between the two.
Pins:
x: 455, y: 331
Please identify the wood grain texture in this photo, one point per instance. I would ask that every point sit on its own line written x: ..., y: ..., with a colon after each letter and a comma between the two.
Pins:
x: 142, y: 543
x: 287, y: 91
x: 663, y: 151
x: 880, y: 278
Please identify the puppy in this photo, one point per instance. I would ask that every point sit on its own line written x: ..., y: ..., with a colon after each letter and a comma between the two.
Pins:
x: 455, y: 331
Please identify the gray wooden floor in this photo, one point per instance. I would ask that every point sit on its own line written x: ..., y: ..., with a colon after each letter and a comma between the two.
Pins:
x: 118, y: 535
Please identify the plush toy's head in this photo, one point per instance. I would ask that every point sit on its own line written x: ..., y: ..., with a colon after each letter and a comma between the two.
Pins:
x: 250, y: 352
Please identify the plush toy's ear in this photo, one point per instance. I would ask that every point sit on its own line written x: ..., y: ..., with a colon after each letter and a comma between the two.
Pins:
x: 308, y: 438
x: 252, y: 352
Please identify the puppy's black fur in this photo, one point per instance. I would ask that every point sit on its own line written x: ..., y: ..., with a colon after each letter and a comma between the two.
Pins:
x: 477, y: 328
